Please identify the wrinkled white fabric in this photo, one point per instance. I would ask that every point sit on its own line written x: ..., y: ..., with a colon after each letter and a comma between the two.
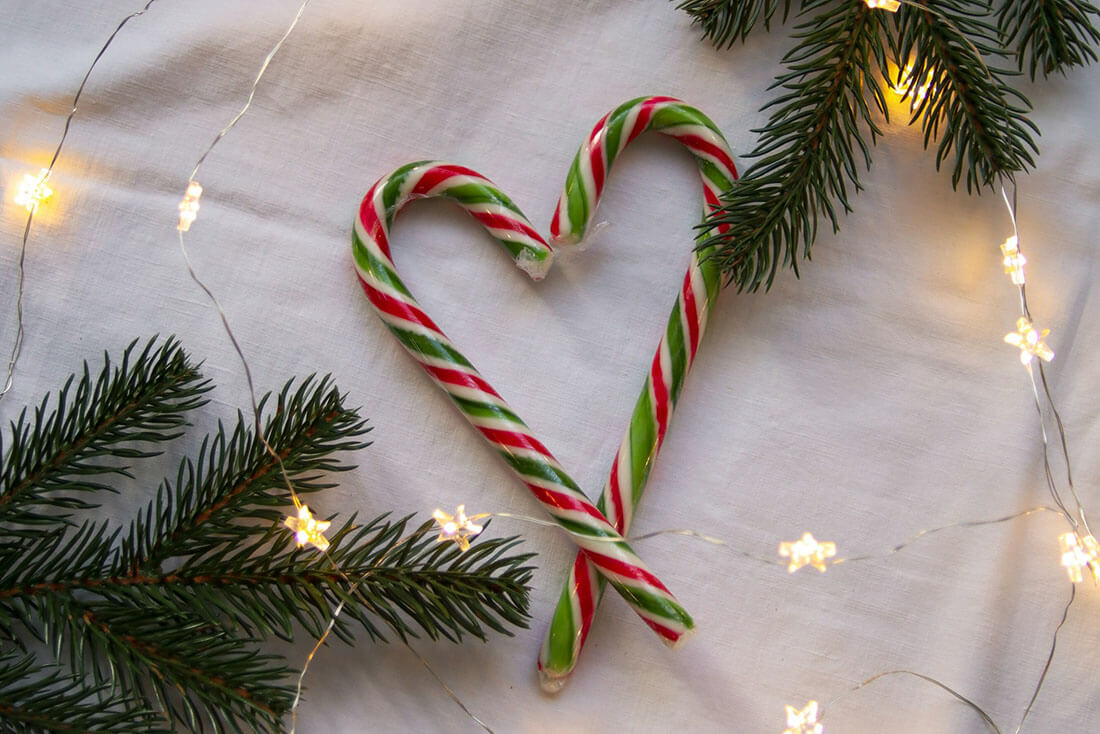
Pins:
x: 865, y: 401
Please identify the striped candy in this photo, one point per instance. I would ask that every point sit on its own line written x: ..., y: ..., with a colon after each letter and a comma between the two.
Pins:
x: 675, y: 354
x: 601, y: 544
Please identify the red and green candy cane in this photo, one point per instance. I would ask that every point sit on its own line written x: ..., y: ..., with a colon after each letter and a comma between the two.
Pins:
x: 597, y: 538
x: 675, y: 354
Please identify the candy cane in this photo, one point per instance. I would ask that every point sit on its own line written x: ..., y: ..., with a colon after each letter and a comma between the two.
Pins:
x: 601, y: 544
x: 675, y: 354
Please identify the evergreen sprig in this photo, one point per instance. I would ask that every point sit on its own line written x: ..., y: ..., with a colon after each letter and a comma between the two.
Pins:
x: 725, y: 23
x: 982, y: 119
x: 1049, y: 35
x: 62, y: 450
x: 37, y: 696
x: 170, y: 615
x: 807, y: 157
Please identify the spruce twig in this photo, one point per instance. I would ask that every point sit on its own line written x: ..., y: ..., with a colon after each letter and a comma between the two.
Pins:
x: 36, y: 697
x: 806, y: 156
x: 170, y: 615
x: 724, y: 23
x: 1049, y: 35
x: 968, y: 106
x: 66, y: 449
x: 805, y: 161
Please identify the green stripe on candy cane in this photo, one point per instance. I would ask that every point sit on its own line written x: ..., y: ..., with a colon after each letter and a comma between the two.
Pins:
x: 475, y: 398
x: 583, y: 590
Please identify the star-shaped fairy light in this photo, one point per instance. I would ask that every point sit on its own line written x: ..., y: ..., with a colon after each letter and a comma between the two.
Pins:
x: 1030, y: 341
x: 189, y: 207
x: 458, y: 527
x: 807, y: 551
x: 1079, y: 553
x: 307, y: 530
x: 890, y: 6
x: 33, y: 190
x: 1014, y: 260
x: 804, y: 721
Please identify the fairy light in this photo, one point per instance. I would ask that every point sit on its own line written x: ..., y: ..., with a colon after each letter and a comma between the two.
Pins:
x: 189, y: 206
x: 1030, y: 341
x: 907, y: 86
x: 803, y: 721
x: 1080, y: 553
x: 33, y: 190
x: 308, y: 530
x: 807, y: 551
x: 1014, y: 260
x: 458, y: 527
x: 890, y: 6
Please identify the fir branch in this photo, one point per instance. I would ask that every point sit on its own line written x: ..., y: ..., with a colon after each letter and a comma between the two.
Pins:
x: 806, y: 154
x: 445, y: 592
x: 968, y: 106
x: 171, y: 617
x: 725, y: 22
x: 195, y: 672
x: 40, y: 697
x: 215, y: 501
x: 1050, y: 35
x: 59, y: 452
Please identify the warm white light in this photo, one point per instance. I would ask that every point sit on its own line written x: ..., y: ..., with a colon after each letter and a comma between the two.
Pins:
x: 457, y: 527
x: 1030, y: 342
x: 804, y: 721
x: 307, y: 530
x: 890, y: 6
x: 1014, y: 260
x: 33, y: 190
x: 807, y: 551
x: 189, y: 207
x: 1078, y: 554
x: 907, y: 86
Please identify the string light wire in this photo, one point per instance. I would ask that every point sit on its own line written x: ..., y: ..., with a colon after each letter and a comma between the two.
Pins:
x: 1080, y: 519
x: 986, y: 718
x: 20, y: 330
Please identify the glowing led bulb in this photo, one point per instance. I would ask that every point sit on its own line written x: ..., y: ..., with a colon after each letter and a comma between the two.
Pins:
x: 1014, y: 260
x: 1030, y: 342
x: 33, y: 190
x: 308, y: 530
x: 890, y: 6
x: 804, y: 721
x: 907, y: 86
x: 189, y: 207
x: 1079, y: 553
x: 457, y: 527
x: 807, y: 551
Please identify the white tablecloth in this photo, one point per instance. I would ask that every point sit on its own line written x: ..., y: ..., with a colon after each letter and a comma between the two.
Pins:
x: 864, y: 402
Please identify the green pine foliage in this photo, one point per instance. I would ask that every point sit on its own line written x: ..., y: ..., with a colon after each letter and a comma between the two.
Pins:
x: 824, y: 116
x: 161, y: 625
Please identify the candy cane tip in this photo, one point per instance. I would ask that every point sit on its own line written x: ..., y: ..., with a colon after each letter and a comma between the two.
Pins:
x: 567, y: 239
x: 535, y: 267
x: 680, y: 641
x: 552, y: 682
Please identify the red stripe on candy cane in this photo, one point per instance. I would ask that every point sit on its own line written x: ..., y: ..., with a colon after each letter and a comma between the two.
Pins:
x: 691, y: 315
x: 625, y: 570
x: 459, y: 378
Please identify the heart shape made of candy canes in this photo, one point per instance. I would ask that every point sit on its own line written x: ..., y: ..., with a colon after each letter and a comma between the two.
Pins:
x: 598, y: 530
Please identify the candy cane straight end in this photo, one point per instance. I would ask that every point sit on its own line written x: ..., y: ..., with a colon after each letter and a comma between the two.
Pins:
x: 679, y: 641
x: 535, y: 267
x: 551, y: 682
